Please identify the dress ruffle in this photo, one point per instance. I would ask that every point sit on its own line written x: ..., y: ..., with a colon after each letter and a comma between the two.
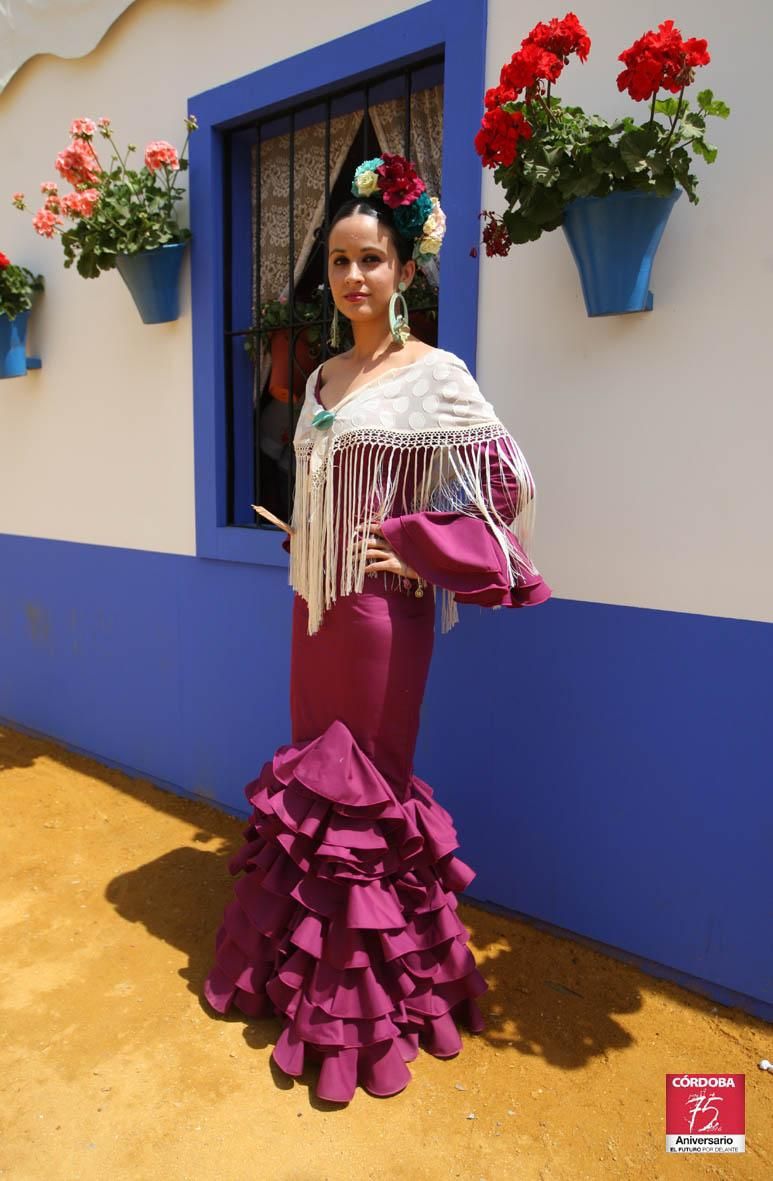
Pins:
x: 344, y: 920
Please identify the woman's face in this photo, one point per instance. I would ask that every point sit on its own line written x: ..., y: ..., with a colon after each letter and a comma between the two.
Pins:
x: 362, y: 259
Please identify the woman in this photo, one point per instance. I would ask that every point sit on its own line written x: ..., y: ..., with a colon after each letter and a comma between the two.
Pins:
x: 344, y: 922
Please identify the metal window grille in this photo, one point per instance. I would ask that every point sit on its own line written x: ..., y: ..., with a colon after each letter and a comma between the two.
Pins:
x: 269, y: 358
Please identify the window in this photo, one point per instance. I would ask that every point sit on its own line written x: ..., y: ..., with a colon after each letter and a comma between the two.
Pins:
x: 269, y: 165
x: 301, y: 164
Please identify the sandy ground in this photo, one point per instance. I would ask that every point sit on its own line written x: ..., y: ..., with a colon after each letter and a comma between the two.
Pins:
x: 111, y: 1065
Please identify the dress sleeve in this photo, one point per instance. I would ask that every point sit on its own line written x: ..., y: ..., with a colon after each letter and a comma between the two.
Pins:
x: 457, y: 551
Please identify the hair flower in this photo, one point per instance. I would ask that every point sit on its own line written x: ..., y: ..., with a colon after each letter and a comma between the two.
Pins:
x: 435, y: 225
x: 399, y: 181
x: 410, y: 219
x: 365, y: 181
x: 415, y: 215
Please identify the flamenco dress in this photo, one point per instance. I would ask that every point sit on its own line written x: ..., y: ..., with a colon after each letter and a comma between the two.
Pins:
x: 343, y: 921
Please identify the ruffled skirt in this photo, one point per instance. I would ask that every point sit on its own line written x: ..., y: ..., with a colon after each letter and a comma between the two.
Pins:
x: 343, y: 921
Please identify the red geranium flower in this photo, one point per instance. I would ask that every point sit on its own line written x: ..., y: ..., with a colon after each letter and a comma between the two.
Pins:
x: 398, y: 180
x: 528, y: 66
x: 4, y: 261
x: 496, y: 238
x: 497, y: 141
x: 561, y: 38
x: 498, y: 95
x: 661, y: 59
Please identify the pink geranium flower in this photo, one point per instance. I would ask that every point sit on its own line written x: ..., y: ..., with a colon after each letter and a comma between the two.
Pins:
x: 159, y: 153
x: 80, y: 204
x: 82, y: 128
x: 46, y: 186
x: 45, y: 222
x: 78, y: 164
x: 4, y: 261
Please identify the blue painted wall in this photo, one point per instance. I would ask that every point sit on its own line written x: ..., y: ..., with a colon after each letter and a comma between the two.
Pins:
x: 607, y: 767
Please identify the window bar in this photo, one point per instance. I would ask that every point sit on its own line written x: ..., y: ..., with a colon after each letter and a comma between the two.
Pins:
x: 326, y: 313
x: 365, y: 120
x: 291, y: 296
x: 228, y: 324
x: 256, y: 338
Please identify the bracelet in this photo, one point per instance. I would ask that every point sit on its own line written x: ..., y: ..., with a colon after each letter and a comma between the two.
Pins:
x: 420, y: 584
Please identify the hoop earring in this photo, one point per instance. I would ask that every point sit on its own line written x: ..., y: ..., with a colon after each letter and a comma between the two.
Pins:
x: 399, y: 326
x: 334, y: 339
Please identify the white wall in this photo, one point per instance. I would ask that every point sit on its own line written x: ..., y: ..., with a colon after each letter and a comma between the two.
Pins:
x: 98, y: 445
x: 649, y: 435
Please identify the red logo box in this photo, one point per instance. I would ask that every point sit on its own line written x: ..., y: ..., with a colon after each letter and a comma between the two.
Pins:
x: 705, y: 1112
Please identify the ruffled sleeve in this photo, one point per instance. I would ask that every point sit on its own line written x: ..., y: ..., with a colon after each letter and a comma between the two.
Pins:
x: 459, y: 554
x: 457, y: 551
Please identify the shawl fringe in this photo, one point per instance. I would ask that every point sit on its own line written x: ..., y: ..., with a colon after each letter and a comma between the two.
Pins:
x: 361, y: 478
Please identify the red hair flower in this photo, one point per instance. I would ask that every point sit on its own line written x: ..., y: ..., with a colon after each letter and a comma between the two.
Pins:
x: 500, y: 131
x: 561, y: 37
x: 661, y: 59
x: 398, y: 180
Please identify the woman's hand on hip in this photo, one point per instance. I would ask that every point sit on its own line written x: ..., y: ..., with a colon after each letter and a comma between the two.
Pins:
x: 383, y: 559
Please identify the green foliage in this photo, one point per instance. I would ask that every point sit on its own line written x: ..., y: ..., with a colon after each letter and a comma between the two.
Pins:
x: 571, y: 154
x: 113, y: 209
x: 17, y: 287
x: 135, y: 211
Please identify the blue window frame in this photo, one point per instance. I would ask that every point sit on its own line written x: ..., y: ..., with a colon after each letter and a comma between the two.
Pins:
x: 458, y: 31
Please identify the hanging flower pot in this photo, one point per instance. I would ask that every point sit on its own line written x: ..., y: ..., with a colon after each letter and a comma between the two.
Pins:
x: 119, y: 217
x: 611, y: 185
x: 613, y: 240
x: 153, y: 278
x: 306, y: 355
x: 13, y: 345
x: 18, y: 286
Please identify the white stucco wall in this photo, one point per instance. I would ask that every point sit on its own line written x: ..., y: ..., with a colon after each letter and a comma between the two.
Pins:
x: 649, y: 435
x: 98, y: 445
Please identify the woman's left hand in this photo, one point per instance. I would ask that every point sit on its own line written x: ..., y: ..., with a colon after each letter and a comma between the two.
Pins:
x: 383, y: 557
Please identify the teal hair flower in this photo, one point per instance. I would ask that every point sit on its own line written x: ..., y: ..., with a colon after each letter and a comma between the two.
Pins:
x: 410, y: 219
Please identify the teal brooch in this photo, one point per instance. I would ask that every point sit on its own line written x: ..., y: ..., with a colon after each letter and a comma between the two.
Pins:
x: 322, y: 419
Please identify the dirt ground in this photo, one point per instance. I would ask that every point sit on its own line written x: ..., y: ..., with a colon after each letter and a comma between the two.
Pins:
x: 112, y: 1066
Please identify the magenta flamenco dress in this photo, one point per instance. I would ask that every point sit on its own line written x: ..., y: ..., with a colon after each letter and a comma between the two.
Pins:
x: 343, y: 921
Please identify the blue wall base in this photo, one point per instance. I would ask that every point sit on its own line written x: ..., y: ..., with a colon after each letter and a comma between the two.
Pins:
x: 723, y: 996
x: 601, y: 776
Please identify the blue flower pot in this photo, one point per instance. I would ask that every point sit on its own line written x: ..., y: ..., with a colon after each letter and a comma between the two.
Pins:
x: 153, y: 278
x: 14, y: 361
x: 613, y: 240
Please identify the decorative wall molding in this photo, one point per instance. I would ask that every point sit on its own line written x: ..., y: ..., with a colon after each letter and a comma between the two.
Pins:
x: 66, y: 28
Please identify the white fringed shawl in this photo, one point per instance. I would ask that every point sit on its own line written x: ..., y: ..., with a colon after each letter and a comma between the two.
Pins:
x: 411, y: 440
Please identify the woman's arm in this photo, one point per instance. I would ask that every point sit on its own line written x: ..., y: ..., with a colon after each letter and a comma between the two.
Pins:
x: 458, y: 551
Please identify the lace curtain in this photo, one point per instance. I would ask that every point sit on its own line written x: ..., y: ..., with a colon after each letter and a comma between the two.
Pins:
x: 426, y: 132
x: 308, y: 197
x: 309, y: 182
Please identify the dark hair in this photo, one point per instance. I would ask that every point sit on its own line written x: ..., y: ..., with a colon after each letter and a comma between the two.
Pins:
x: 377, y: 209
